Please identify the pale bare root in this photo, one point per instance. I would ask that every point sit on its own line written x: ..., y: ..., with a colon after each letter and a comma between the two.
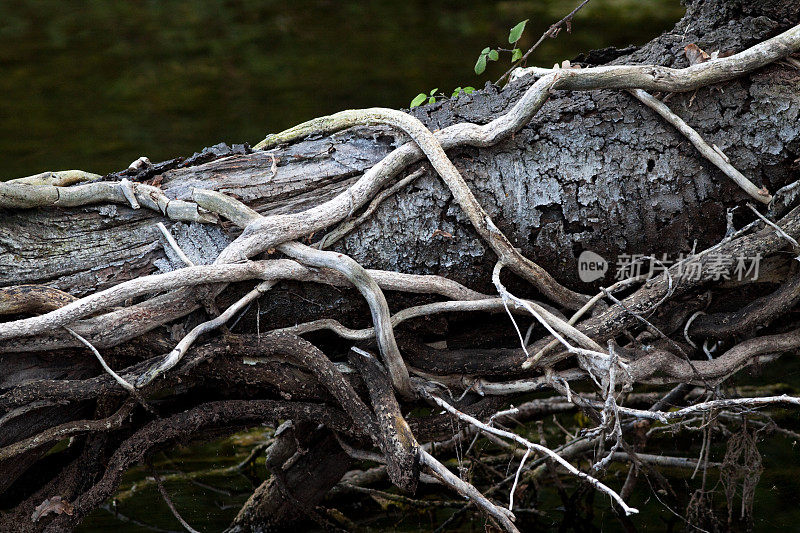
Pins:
x: 578, y: 349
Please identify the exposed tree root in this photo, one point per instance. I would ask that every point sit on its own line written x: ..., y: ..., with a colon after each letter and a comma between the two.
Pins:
x: 350, y: 408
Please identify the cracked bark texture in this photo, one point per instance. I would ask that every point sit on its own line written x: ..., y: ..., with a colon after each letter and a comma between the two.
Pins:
x: 593, y: 170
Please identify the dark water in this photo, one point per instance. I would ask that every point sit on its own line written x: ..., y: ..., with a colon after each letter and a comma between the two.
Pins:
x: 208, y: 497
x: 96, y: 84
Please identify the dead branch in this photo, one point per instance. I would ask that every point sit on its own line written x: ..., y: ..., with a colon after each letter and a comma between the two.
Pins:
x: 621, y: 346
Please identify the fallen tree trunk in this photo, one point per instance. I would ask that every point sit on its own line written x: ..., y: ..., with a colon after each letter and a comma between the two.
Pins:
x: 535, y: 174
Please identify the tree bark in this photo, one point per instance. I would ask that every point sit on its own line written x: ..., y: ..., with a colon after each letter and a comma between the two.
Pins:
x: 594, y: 170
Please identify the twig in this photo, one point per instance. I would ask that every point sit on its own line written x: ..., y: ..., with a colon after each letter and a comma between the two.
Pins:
x: 180, y: 349
x: 777, y: 228
x: 169, y: 503
x: 174, y: 244
x: 502, y: 515
x: 516, y: 479
x: 582, y: 311
x: 660, y: 460
x: 587, y: 357
x: 489, y: 305
x: 537, y: 447
x: 359, y: 455
x: 610, y: 409
x: 380, y: 494
x: 749, y: 403
x: 661, y: 334
x: 346, y: 227
x: 551, y: 322
x: 119, y: 379
x: 719, y: 159
x: 688, y: 325
x: 551, y: 32
x: 492, y: 388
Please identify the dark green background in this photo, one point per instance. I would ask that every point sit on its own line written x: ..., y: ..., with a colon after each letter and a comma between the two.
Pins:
x: 95, y: 84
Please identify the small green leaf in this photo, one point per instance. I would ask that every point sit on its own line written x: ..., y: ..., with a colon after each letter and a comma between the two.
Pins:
x: 516, y: 55
x: 456, y: 92
x: 485, y: 51
x: 516, y: 32
x: 434, y: 91
x: 480, y: 66
x: 418, y: 100
x: 494, y: 55
x: 431, y: 100
x: 469, y: 90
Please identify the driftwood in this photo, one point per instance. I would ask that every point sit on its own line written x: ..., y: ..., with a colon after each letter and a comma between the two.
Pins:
x: 339, y: 274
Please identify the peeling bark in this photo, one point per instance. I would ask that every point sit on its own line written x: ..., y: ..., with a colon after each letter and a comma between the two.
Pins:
x: 592, y: 171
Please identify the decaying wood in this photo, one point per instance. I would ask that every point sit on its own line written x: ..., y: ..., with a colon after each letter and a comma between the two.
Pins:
x: 219, y: 300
